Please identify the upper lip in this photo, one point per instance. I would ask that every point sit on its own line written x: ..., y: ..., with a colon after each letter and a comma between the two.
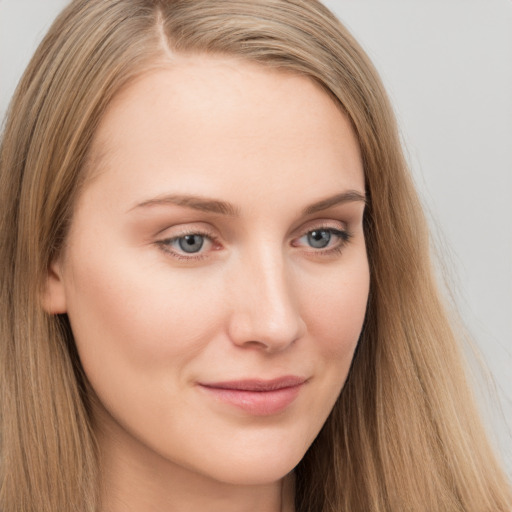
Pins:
x: 286, y: 381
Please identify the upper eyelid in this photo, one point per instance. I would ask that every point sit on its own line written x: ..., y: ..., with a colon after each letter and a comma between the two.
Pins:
x: 319, y: 224
x: 214, y: 239
x: 171, y: 239
x: 208, y: 232
x: 184, y: 231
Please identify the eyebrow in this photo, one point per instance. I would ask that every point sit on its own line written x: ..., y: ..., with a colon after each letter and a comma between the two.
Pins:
x: 203, y: 204
x: 349, y: 196
x: 209, y: 205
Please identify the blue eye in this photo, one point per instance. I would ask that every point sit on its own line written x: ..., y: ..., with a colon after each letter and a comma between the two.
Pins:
x: 188, y: 246
x: 324, y: 238
x: 191, y: 243
x: 319, y: 238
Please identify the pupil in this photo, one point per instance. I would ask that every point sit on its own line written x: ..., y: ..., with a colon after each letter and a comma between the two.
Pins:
x: 319, y: 239
x: 191, y: 243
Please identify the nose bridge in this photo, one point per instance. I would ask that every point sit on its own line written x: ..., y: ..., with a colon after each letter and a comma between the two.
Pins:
x: 265, y: 310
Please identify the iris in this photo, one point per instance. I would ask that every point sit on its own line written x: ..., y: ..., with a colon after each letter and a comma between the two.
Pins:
x: 191, y: 243
x: 319, y: 238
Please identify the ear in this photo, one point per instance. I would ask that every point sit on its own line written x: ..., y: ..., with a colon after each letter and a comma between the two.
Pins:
x: 54, y: 294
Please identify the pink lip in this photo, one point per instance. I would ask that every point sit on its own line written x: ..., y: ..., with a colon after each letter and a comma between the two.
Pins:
x: 255, y: 396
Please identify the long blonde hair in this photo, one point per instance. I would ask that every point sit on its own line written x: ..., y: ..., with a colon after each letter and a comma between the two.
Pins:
x: 404, y: 433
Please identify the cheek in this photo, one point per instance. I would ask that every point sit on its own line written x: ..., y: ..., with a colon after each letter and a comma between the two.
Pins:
x: 134, y: 320
x: 335, y: 314
x: 336, y: 310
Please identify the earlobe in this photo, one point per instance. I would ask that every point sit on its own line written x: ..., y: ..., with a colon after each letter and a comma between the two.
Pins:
x: 54, y: 294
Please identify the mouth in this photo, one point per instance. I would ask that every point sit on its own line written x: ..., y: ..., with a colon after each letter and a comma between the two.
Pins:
x: 257, y: 397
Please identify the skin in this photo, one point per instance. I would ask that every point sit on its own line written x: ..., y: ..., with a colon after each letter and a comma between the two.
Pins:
x: 152, y: 322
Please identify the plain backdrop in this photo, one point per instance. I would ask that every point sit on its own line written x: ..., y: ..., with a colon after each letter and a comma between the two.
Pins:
x: 447, y: 65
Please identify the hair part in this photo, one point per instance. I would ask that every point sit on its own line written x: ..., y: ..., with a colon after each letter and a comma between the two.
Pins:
x: 403, y: 434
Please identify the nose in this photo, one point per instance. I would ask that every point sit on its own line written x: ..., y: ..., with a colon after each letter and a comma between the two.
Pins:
x: 264, y: 308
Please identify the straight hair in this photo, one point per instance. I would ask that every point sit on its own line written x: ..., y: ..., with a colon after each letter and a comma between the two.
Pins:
x: 404, y: 433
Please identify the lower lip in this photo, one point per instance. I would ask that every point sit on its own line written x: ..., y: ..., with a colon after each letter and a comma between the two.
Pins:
x: 257, y: 403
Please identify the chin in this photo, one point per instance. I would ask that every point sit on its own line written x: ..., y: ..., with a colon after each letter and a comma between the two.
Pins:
x: 249, y: 474
x: 254, y: 468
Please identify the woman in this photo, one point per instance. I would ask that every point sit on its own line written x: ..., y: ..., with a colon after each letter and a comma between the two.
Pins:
x: 216, y: 289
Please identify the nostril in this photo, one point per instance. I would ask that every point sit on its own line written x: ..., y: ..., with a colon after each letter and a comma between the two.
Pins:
x: 256, y: 345
x: 267, y: 334
x: 265, y: 313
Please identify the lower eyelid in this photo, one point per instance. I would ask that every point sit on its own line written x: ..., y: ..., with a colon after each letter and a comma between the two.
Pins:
x: 343, y: 237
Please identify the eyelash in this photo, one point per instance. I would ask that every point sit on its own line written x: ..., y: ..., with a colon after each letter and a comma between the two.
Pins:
x: 343, y: 236
x: 166, y: 245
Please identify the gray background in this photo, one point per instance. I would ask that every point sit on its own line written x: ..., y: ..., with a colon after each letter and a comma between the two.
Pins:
x: 447, y: 65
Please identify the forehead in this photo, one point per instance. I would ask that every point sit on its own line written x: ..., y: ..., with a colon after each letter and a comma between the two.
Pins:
x: 215, y: 123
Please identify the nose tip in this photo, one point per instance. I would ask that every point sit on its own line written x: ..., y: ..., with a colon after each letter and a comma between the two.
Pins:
x: 260, y: 331
x: 265, y: 314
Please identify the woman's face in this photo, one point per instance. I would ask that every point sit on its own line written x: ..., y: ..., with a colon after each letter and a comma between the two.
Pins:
x: 215, y: 273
